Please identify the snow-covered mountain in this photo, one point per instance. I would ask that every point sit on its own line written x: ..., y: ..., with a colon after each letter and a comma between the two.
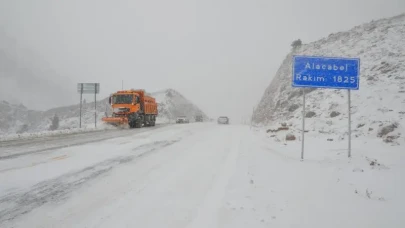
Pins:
x: 378, y: 107
x: 14, y: 117
x: 172, y: 104
x: 19, y: 119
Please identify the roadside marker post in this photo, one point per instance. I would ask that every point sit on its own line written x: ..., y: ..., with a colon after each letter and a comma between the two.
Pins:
x: 81, y: 102
x: 349, y: 152
x: 303, y: 124
x: 327, y: 73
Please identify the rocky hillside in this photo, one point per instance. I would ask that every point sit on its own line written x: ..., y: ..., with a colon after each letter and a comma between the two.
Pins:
x: 14, y: 117
x: 378, y: 107
x: 18, y: 119
x: 173, y: 104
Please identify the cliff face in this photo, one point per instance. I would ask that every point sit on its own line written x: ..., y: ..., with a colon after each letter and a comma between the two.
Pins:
x: 380, y: 100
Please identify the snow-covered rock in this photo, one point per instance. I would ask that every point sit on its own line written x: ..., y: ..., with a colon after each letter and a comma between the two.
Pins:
x: 18, y: 119
x: 172, y: 104
x: 14, y: 117
x: 380, y: 101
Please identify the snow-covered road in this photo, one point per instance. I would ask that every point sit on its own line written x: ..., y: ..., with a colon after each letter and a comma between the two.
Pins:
x: 192, y: 175
x: 18, y: 147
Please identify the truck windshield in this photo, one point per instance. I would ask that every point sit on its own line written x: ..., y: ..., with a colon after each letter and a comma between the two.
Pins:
x: 122, y: 99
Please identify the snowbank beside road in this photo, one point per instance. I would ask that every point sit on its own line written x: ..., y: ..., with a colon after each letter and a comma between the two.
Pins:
x: 273, y: 188
x: 27, y: 135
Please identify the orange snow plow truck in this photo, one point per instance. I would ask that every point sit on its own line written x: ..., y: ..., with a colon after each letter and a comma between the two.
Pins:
x: 132, y: 107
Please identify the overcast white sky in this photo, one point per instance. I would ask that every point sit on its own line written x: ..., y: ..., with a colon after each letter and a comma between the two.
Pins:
x: 220, y: 54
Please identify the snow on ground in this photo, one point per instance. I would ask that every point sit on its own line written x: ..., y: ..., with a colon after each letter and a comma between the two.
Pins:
x: 328, y: 189
x: 28, y: 135
x: 17, y: 148
x: 163, y: 120
x: 40, y: 164
x: 205, y: 175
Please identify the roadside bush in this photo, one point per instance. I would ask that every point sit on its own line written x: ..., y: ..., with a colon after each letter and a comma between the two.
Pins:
x: 55, y: 123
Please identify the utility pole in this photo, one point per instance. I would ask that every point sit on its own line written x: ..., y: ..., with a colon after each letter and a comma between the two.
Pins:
x: 81, y: 102
x: 95, y: 105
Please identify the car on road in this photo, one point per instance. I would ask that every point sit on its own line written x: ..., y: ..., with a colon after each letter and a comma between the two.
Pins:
x: 182, y: 119
x: 199, y: 118
x: 223, y: 120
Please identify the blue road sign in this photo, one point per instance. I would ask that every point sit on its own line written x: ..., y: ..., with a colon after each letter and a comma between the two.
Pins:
x: 326, y: 72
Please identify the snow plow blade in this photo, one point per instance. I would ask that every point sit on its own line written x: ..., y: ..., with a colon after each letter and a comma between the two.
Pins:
x: 115, y: 120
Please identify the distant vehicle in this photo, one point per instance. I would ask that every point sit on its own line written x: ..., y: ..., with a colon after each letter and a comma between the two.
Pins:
x: 199, y: 118
x: 223, y: 120
x: 182, y: 119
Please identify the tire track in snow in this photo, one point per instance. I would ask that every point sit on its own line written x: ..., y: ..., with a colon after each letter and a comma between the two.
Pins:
x: 17, y: 204
x: 207, y: 215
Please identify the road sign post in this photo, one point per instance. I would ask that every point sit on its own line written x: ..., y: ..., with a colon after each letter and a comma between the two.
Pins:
x: 303, y: 124
x: 95, y: 105
x: 88, y: 88
x: 81, y: 101
x: 328, y: 73
x: 349, y: 153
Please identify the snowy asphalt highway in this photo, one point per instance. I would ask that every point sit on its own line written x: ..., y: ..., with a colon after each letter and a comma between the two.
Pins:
x: 190, y: 176
x: 14, y: 148
x: 151, y: 171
